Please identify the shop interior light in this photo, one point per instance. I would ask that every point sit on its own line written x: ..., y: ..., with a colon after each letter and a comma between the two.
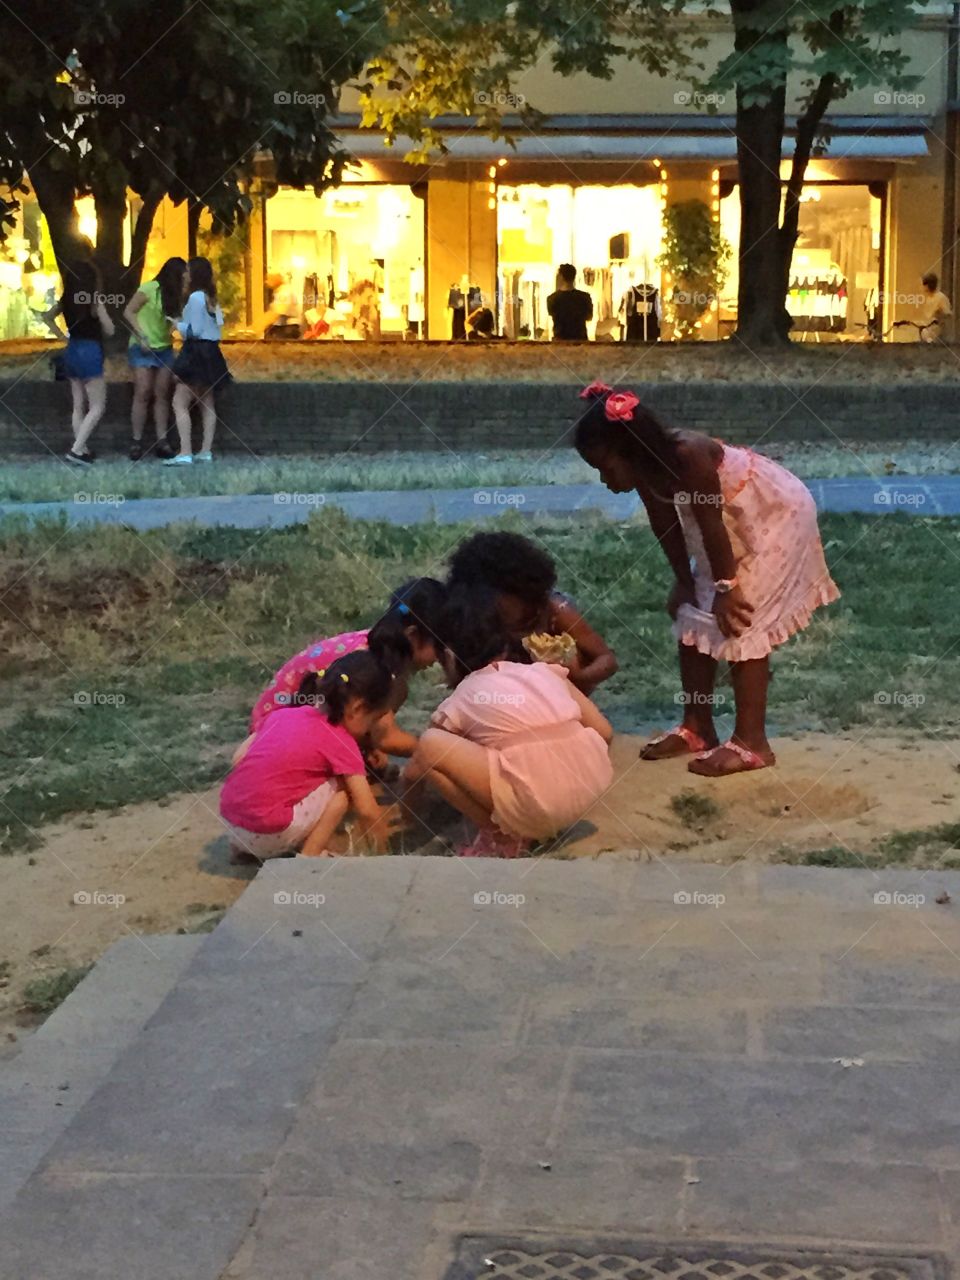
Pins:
x: 502, y: 161
x: 491, y: 203
x: 663, y: 175
x: 657, y: 163
x: 492, y: 188
x: 492, y: 171
x: 715, y: 176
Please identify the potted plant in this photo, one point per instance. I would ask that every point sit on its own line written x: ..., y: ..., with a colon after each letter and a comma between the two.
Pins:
x: 696, y: 255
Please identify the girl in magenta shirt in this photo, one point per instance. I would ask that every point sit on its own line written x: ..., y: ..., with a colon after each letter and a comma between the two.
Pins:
x: 295, y: 780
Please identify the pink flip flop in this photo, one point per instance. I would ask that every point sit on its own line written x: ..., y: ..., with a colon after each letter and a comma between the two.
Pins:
x: 693, y: 740
x: 491, y: 842
x: 750, y: 760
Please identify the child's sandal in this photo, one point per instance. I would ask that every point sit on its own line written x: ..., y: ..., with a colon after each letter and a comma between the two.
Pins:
x: 749, y: 760
x: 694, y: 743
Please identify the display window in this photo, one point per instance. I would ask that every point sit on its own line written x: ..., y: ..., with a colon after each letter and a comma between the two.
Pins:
x: 347, y: 264
x: 29, y: 280
x: 611, y: 234
x: 834, y: 290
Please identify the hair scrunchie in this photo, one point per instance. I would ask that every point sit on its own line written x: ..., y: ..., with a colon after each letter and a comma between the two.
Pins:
x: 595, y: 391
x: 620, y: 405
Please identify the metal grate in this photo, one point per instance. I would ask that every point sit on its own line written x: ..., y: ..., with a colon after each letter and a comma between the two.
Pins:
x: 493, y: 1259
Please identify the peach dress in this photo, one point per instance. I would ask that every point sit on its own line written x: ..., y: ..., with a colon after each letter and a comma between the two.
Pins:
x: 771, y: 519
x: 546, y: 767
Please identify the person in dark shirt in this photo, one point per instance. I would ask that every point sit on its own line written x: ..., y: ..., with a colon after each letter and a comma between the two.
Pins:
x: 569, y: 307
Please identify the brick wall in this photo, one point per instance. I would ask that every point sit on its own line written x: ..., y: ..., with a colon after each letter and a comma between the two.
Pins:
x: 316, y: 417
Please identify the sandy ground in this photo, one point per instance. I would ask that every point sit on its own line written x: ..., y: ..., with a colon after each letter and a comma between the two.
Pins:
x: 168, y: 862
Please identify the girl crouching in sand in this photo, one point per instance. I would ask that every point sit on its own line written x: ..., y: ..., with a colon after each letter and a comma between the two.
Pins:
x: 517, y: 748
x: 740, y: 533
x: 294, y: 780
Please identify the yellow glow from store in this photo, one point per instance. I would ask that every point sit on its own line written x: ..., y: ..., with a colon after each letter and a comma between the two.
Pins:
x: 492, y: 171
x: 663, y: 175
x: 657, y: 163
x: 502, y: 162
x: 491, y: 203
x: 715, y: 176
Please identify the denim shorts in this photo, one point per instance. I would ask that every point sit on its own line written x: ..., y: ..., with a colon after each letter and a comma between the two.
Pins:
x: 153, y: 359
x: 83, y: 359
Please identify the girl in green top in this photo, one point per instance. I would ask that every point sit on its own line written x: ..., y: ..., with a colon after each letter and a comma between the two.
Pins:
x: 150, y: 314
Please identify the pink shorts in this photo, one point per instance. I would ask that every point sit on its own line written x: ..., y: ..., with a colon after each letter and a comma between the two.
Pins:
x: 306, y: 815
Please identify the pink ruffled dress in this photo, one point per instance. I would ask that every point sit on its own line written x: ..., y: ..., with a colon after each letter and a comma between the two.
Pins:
x: 546, y: 767
x: 771, y: 518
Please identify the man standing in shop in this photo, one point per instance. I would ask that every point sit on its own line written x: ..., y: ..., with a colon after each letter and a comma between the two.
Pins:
x: 935, y: 310
x: 569, y: 307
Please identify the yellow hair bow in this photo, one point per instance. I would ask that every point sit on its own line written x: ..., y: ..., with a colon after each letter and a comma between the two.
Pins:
x: 344, y: 677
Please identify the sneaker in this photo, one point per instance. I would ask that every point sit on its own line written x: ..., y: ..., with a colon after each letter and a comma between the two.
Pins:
x: 84, y: 459
x: 179, y: 460
x: 136, y: 451
x: 203, y: 457
x: 164, y: 450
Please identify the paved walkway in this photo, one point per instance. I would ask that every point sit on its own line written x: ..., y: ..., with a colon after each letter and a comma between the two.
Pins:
x: 372, y: 1059
x: 912, y: 495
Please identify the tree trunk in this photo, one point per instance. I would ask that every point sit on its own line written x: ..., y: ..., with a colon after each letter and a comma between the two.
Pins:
x: 56, y: 195
x: 111, y: 216
x: 194, y: 210
x: 762, y: 319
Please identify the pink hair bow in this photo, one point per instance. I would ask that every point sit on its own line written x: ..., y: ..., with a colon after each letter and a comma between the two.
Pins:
x: 620, y: 406
x: 595, y: 389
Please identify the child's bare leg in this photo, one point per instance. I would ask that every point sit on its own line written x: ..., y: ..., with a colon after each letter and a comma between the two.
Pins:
x: 182, y: 404
x: 319, y: 838
x: 458, y: 769
x: 79, y: 403
x: 698, y: 674
x: 750, y: 682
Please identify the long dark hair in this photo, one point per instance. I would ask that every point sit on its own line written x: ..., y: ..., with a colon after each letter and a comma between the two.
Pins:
x: 470, y: 630
x: 201, y: 277
x: 170, y: 279
x: 646, y: 443
x: 416, y: 604
x: 355, y: 675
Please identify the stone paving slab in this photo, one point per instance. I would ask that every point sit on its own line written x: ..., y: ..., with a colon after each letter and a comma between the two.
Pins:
x: 905, y: 495
x: 580, y: 1053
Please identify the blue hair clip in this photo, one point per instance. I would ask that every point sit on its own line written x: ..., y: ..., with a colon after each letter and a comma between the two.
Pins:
x: 403, y: 608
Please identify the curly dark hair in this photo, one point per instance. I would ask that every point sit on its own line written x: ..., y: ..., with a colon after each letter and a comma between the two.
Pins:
x: 505, y: 562
x: 470, y: 629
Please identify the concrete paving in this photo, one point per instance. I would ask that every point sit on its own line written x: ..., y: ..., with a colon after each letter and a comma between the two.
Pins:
x: 907, y: 495
x: 369, y: 1059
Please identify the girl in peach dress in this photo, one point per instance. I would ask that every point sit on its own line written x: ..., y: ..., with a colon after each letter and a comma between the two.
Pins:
x: 516, y: 748
x: 740, y: 533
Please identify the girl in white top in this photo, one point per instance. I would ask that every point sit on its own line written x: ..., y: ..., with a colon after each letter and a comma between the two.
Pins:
x: 200, y: 367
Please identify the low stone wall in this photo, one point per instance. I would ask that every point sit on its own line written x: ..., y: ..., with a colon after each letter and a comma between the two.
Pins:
x: 316, y: 418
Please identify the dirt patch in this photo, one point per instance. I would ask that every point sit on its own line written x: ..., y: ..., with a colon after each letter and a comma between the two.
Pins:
x: 169, y: 862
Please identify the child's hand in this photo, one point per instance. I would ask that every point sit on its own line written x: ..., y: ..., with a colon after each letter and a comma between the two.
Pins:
x: 732, y: 612
x: 377, y: 830
x: 681, y: 593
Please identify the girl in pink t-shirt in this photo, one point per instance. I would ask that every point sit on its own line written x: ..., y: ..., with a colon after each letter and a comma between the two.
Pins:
x: 517, y: 748
x: 294, y: 781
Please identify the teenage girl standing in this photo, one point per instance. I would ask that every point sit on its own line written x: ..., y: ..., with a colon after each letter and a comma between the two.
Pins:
x: 88, y: 323
x: 740, y: 533
x: 200, y: 367
x: 150, y: 316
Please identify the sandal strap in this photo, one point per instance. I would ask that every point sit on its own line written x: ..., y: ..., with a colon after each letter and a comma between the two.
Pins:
x: 693, y: 740
x: 750, y: 758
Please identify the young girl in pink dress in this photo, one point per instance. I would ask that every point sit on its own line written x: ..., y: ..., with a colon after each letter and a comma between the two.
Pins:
x: 516, y: 748
x: 740, y: 533
x: 403, y: 640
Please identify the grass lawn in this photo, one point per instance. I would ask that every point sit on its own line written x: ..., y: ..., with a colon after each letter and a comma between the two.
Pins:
x: 54, y: 480
x: 130, y: 661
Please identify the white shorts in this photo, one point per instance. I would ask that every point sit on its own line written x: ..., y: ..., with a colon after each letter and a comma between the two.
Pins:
x: 306, y: 815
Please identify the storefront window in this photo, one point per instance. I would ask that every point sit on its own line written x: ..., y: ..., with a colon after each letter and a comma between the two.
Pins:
x: 835, y: 270
x: 29, y: 280
x: 353, y: 259
x: 610, y: 234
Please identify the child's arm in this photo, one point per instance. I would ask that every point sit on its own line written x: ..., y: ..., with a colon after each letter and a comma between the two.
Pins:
x: 376, y: 823
x: 243, y: 748
x: 389, y: 737
x: 136, y: 303
x: 591, y: 715
x: 106, y: 324
x: 596, y: 661
x: 668, y: 531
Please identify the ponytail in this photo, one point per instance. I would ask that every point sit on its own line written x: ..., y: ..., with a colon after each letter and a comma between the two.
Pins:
x: 355, y: 675
x: 417, y: 605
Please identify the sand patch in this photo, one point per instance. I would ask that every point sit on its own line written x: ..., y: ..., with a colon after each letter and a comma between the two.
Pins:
x: 168, y: 860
